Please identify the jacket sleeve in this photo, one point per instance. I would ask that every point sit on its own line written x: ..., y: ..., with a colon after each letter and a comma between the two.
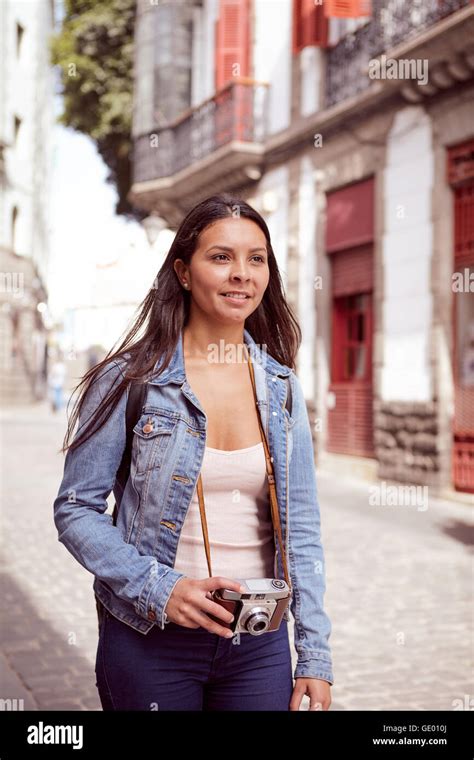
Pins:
x: 312, y: 626
x: 87, y: 531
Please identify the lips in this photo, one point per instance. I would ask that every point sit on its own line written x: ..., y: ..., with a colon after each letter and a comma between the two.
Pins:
x: 235, y: 294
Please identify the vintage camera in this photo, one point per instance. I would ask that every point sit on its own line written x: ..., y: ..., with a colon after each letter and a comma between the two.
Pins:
x: 258, y: 609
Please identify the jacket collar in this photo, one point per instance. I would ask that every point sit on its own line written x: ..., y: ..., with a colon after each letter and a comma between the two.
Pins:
x: 174, y: 372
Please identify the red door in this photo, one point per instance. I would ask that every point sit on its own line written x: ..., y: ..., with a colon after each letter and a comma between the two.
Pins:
x: 461, y: 177
x: 350, y: 427
x: 349, y: 244
x: 350, y: 421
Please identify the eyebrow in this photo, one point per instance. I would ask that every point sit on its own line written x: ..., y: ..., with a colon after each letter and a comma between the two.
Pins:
x: 227, y: 248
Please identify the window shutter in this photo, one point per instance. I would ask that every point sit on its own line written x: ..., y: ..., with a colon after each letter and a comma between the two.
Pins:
x: 347, y: 8
x: 320, y: 26
x: 310, y: 25
x: 352, y: 271
x: 350, y: 216
x: 232, y: 41
x: 297, y: 26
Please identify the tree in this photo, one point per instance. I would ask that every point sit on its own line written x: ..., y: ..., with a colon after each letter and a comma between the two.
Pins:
x: 94, y: 51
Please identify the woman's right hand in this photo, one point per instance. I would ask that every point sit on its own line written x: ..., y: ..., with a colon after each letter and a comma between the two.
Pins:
x: 191, y: 599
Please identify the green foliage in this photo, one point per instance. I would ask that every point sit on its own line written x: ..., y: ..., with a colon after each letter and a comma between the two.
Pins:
x: 94, y: 52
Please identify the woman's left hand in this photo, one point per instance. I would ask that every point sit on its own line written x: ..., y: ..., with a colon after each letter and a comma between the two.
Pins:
x: 319, y: 693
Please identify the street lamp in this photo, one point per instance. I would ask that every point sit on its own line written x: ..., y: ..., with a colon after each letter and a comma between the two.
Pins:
x: 153, y: 225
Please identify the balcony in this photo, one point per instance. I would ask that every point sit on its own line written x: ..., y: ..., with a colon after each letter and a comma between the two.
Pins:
x: 223, y: 137
x: 406, y: 23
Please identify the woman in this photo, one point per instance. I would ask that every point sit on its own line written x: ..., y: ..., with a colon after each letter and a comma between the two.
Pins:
x: 218, y: 292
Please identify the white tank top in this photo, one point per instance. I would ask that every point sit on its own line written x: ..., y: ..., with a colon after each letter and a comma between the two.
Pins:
x: 239, y: 522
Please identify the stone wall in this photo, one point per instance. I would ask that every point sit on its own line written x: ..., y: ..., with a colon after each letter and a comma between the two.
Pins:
x: 406, y: 441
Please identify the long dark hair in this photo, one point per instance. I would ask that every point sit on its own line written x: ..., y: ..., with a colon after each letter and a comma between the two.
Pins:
x: 165, y: 311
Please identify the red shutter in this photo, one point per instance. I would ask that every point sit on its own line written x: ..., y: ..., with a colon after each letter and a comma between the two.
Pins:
x: 464, y: 226
x: 350, y: 216
x: 320, y: 27
x: 232, y: 41
x: 460, y: 160
x: 352, y: 271
x: 310, y: 25
x: 347, y: 8
x: 297, y: 26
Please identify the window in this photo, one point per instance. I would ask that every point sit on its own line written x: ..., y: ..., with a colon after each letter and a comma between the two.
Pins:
x: 352, y: 338
x: 310, y: 25
x: 347, y: 8
x: 232, y: 41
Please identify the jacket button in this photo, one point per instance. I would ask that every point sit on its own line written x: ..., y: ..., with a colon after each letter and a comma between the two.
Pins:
x: 151, y: 615
x: 147, y: 428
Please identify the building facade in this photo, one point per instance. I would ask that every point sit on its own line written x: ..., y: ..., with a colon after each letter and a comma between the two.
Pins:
x: 350, y: 126
x: 26, y: 132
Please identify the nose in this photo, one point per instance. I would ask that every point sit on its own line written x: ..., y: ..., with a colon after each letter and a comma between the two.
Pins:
x: 240, y: 271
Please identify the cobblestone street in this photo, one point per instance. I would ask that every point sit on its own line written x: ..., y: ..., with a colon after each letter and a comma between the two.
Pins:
x: 399, y: 590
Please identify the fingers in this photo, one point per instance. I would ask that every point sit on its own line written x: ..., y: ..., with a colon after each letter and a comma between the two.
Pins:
x: 296, y: 697
x: 217, y: 610
x: 197, y: 600
x: 206, y: 622
x: 219, y: 581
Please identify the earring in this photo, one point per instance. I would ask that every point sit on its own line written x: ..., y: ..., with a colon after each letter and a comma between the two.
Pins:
x: 185, y: 284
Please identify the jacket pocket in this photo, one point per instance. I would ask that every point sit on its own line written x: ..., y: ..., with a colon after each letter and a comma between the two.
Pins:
x: 152, y: 435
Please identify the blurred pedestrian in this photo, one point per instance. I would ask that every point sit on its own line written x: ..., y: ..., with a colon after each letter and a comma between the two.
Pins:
x: 57, y: 376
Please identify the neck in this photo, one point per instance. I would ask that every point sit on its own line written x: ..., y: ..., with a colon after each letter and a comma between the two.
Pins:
x: 198, y: 338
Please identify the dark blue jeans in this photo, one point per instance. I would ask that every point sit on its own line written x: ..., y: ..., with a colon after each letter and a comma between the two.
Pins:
x: 181, y: 668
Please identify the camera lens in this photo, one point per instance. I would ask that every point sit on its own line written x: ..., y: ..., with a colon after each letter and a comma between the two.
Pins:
x: 257, y: 623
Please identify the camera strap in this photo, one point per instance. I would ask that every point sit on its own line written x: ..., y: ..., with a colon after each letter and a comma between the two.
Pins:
x: 272, y: 493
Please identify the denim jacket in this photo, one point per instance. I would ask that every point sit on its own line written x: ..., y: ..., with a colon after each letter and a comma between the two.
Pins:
x: 133, y: 561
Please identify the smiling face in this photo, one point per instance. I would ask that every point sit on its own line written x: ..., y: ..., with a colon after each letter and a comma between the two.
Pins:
x: 228, y: 273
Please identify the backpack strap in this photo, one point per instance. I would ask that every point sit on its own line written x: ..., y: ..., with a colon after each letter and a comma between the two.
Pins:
x: 289, y: 398
x: 135, y: 402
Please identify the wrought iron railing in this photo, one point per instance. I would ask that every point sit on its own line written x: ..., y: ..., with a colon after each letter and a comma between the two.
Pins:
x: 236, y: 112
x: 392, y: 22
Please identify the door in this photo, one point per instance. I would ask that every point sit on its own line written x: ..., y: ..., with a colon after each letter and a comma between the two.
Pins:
x: 350, y: 417
x: 463, y: 333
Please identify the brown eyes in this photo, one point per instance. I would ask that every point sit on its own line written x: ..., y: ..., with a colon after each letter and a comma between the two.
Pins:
x: 254, y: 257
